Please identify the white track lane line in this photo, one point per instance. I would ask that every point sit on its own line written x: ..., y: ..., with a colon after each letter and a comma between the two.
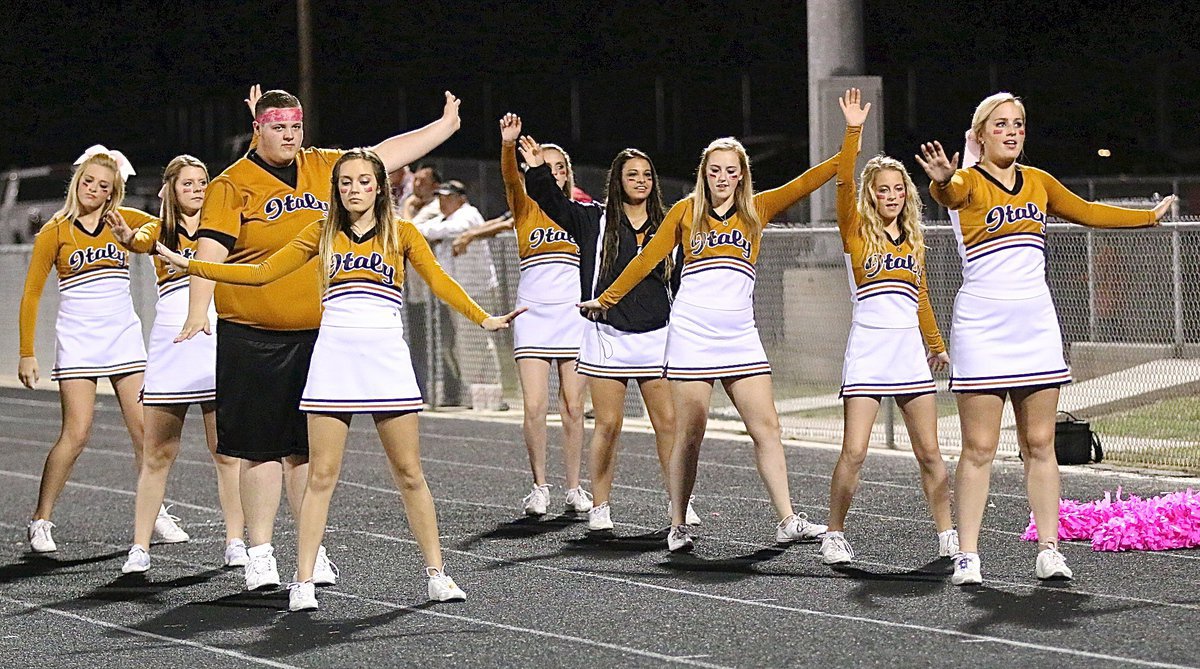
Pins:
x: 683, y: 591
x: 459, y: 502
x: 147, y: 635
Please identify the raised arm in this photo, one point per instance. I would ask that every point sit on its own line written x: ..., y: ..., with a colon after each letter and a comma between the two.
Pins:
x: 667, y: 237
x: 286, y: 260
x: 544, y: 190
x: 134, y: 229
x: 421, y: 257
x: 1061, y: 202
x: 519, y: 202
x: 771, y: 202
x: 400, y: 150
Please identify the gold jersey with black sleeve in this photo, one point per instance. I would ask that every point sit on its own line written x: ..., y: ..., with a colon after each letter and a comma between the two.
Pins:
x: 87, y: 262
x: 549, y: 255
x: 718, y: 265
x: 888, y: 287
x: 255, y: 209
x: 365, y: 287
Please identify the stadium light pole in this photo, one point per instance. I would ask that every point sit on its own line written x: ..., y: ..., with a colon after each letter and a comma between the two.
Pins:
x: 307, y: 96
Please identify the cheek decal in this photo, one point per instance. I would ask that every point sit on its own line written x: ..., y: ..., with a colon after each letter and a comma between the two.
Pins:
x: 1021, y: 132
x: 997, y: 131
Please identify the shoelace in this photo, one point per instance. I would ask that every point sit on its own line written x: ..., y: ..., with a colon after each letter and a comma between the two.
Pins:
x: 295, y: 585
x: 1056, y: 559
x: 537, y: 489
x: 332, y: 567
x: 682, y: 532
x: 964, y: 562
x: 580, y: 492
x: 844, y: 545
x: 166, y: 513
x: 259, y: 565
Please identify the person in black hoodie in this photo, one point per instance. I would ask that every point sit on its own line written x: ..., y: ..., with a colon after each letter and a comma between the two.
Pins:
x: 629, y: 342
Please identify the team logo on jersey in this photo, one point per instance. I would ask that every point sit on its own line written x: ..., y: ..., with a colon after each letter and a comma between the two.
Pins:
x: 999, y: 216
x: 539, y: 236
x: 186, y: 253
x: 713, y: 239
x: 880, y: 262
x: 278, y: 206
x: 83, y: 257
x: 351, y: 261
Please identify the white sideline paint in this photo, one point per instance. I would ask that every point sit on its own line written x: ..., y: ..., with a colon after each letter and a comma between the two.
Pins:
x: 148, y: 635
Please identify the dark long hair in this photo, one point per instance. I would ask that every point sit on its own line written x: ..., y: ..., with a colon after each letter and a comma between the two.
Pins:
x: 614, y: 211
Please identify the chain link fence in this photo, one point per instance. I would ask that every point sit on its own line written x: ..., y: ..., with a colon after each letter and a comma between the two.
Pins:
x: 1128, y: 304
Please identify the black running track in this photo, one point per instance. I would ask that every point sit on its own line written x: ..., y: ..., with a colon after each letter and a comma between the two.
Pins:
x: 544, y: 593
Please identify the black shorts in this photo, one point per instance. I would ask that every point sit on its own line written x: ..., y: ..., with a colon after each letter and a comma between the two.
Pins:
x: 260, y: 377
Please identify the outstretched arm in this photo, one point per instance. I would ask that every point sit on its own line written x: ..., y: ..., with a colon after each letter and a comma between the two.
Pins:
x: 421, y: 257
x: 667, y: 237
x: 136, y: 230
x: 400, y: 150
x: 286, y: 260
x: 771, y: 202
x: 1061, y: 202
x: 488, y: 230
x: 947, y: 184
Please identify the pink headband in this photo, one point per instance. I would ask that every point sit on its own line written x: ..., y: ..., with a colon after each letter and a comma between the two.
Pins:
x: 280, y: 115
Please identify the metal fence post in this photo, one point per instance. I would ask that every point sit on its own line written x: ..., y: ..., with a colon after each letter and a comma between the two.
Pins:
x: 1091, y: 285
x: 1177, y: 287
x: 889, y: 425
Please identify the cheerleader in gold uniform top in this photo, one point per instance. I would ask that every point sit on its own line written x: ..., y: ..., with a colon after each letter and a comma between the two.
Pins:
x: 360, y: 363
x: 1005, y: 335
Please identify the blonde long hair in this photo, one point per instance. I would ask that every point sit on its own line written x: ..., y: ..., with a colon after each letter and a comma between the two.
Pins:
x: 568, y: 187
x: 169, y: 210
x: 868, y: 209
x: 71, y: 208
x: 743, y: 197
x: 387, y: 224
x: 986, y: 108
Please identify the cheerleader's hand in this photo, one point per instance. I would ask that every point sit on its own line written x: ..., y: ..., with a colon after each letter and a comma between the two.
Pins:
x: 852, y: 108
x: 938, y: 361
x: 173, y: 259
x: 493, y: 323
x: 510, y: 127
x: 27, y: 371
x: 120, y: 229
x: 937, y: 166
x: 1163, y: 207
x: 192, y: 327
x: 450, y: 111
x: 252, y: 98
x: 592, y: 310
x: 531, y: 151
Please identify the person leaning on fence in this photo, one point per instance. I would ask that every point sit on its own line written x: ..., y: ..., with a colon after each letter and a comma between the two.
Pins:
x: 360, y: 363
x: 1005, y: 335
x: 547, y: 336
x: 177, y: 375
x: 629, y: 341
x: 880, y: 225
x: 712, y: 334
x: 97, y: 333
x: 265, y: 336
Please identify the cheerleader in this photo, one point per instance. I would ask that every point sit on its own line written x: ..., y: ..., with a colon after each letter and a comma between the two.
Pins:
x: 1005, y: 333
x: 712, y: 335
x: 880, y: 225
x: 548, y: 335
x: 361, y: 363
x: 628, y: 343
x: 177, y: 375
x: 97, y: 334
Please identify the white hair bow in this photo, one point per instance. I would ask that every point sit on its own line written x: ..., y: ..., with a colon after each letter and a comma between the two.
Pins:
x: 123, y: 164
x: 971, y: 151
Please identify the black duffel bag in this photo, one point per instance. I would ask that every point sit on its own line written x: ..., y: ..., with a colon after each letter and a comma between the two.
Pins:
x: 1074, y: 441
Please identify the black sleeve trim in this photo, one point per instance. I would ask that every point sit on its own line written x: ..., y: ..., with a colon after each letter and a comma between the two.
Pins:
x: 219, y: 237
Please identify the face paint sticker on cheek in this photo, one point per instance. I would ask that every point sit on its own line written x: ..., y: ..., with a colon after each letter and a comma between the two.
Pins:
x: 1021, y: 132
x: 368, y: 189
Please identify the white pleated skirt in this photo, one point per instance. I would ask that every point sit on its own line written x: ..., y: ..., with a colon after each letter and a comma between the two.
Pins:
x: 361, y: 370
x: 705, y: 343
x: 549, y: 331
x: 182, y: 373
x: 998, y: 344
x: 97, y: 335
x: 607, y: 352
x: 885, y: 362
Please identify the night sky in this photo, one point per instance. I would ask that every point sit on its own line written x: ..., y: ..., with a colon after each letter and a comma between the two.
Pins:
x: 156, y: 79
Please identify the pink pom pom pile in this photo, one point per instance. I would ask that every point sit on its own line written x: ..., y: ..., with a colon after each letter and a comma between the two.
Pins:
x: 1131, y: 523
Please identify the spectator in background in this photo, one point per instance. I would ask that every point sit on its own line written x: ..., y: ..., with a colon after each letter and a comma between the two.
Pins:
x: 401, y: 185
x: 474, y: 271
x: 419, y: 206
